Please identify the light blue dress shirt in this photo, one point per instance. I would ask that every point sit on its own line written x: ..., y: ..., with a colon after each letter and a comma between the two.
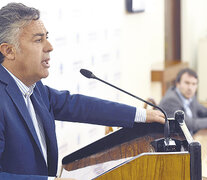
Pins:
x: 186, y: 103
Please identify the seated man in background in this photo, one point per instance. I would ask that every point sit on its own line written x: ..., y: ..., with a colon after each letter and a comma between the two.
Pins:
x: 182, y: 96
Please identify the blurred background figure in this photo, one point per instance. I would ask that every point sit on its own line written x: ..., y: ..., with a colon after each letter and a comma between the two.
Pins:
x: 182, y: 96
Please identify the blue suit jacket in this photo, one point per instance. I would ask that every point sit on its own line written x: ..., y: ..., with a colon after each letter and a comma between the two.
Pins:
x: 21, y: 157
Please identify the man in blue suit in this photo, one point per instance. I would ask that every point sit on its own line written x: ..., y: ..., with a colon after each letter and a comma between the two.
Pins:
x: 28, y: 145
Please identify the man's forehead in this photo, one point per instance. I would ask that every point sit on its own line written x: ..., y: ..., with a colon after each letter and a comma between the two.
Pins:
x: 188, y: 76
x: 36, y: 26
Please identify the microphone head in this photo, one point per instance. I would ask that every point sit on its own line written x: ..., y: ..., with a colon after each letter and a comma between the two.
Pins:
x: 179, y: 116
x: 87, y: 73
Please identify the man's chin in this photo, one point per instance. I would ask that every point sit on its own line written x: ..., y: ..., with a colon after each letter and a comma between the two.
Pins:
x: 45, y: 75
x: 188, y: 97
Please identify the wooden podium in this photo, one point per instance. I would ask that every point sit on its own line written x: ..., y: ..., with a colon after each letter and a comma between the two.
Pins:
x: 128, y: 154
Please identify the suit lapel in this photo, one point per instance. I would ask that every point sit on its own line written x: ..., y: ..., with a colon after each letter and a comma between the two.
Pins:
x: 45, y: 116
x: 49, y: 128
x: 192, y: 107
x: 19, y: 102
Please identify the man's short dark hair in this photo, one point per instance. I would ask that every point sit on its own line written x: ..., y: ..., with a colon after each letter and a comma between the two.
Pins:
x: 183, y: 71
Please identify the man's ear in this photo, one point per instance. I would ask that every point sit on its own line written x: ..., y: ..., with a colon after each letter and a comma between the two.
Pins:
x: 8, y: 51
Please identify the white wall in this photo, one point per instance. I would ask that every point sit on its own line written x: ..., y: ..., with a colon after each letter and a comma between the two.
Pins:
x: 194, y: 28
x: 142, y: 45
x: 194, y: 37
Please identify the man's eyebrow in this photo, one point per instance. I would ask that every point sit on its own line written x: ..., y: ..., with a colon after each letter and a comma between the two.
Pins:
x: 40, y: 34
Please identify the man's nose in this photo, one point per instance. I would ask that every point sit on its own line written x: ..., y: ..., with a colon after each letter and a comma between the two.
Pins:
x: 191, y: 86
x: 48, y: 47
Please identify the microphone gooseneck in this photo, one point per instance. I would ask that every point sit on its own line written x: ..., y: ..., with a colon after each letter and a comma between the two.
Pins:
x: 89, y: 74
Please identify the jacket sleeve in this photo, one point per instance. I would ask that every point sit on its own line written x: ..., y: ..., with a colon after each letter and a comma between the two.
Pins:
x: 200, y: 122
x: 8, y: 176
x: 85, y: 109
x: 201, y: 110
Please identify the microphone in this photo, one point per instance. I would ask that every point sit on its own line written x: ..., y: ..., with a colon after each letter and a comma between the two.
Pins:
x: 167, y: 141
x: 89, y: 75
x: 179, y: 117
